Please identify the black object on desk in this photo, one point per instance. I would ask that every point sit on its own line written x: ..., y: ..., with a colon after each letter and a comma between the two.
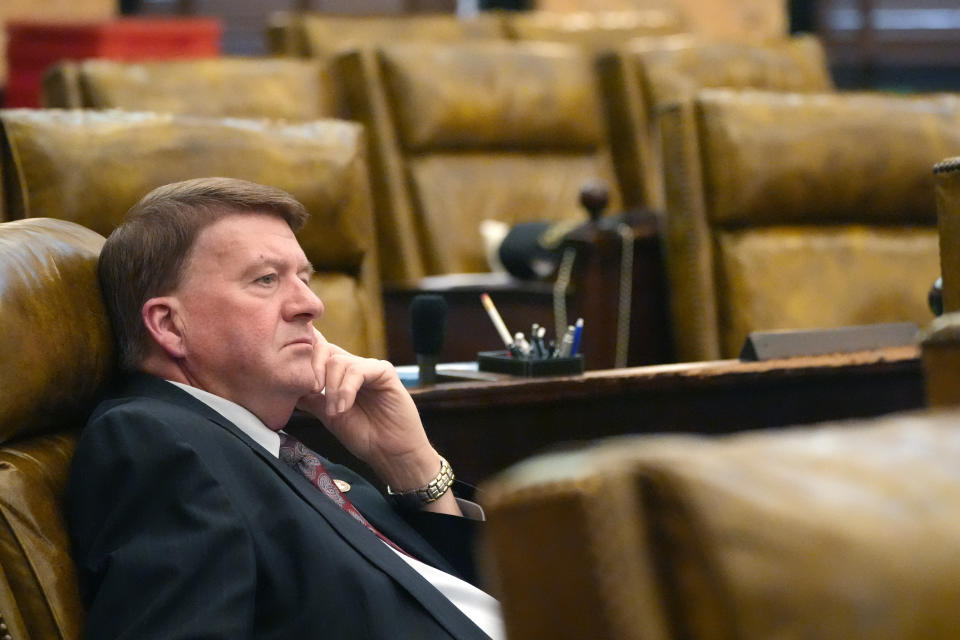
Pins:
x: 503, y: 362
x: 428, y: 312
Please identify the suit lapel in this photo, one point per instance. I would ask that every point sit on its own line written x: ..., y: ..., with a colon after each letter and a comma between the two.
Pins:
x: 369, y: 546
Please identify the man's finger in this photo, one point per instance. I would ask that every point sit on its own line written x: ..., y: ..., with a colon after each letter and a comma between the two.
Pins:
x: 353, y: 378
x: 321, y: 352
x: 336, y: 366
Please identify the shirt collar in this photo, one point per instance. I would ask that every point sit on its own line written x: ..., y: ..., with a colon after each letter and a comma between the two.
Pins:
x: 241, y: 417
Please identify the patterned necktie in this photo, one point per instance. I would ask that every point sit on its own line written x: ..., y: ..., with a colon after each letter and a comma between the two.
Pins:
x: 297, y: 455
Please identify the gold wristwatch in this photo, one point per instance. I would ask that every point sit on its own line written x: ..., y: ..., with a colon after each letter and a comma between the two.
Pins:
x: 432, y: 491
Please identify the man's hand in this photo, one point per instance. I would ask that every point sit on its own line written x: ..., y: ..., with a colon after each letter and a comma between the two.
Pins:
x: 364, y: 404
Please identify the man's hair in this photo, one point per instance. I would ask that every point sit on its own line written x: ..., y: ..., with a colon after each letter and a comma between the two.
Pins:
x: 145, y: 256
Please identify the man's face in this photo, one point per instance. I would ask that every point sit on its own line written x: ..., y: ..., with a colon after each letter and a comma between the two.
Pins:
x: 247, y: 311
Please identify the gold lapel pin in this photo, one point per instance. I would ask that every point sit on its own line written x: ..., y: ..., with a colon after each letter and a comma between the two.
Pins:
x: 343, y: 485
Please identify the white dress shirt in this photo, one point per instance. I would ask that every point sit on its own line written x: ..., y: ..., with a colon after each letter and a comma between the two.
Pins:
x: 480, y: 607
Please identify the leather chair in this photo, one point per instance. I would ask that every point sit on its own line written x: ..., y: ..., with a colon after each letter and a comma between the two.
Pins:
x: 57, y: 353
x: 729, y: 20
x: 277, y: 88
x: 505, y: 131
x: 465, y: 132
x: 843, y: 531
x: 323, y: 35
x: 736, y: 20
x: 89, y: 167
x: 650, y: 73
x: 800, y: 211
x: 595, y: 30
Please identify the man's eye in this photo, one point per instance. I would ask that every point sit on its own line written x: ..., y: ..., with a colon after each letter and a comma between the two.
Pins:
x: 270, y: 278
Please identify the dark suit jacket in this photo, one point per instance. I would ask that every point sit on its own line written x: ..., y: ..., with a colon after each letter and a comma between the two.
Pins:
x: 182, y: 526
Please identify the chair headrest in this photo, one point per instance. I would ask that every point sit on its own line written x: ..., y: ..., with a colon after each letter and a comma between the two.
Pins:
x: 493, y: 95
x: 825, y: 170
x: 54, y: 331
x: 78, y: 165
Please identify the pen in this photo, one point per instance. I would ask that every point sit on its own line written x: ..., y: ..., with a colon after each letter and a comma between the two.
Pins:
x: 577, y: 333
x: 498, y: 322
x: 541, y: 345
x: 521, y: 343
x: 563, y: 351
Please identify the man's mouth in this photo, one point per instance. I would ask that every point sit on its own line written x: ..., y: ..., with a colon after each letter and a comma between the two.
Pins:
x: 306, y: 341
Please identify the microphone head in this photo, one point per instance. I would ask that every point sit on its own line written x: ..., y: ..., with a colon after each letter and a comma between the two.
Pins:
x: 523, y: 253
x: 428, y: 314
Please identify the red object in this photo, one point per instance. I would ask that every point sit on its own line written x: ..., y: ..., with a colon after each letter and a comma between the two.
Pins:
x: 32, y: 47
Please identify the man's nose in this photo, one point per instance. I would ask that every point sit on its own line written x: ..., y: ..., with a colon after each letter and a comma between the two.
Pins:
x: 304, y: 302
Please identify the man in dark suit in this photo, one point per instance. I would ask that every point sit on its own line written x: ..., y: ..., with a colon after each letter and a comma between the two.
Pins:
x: 192, y: 514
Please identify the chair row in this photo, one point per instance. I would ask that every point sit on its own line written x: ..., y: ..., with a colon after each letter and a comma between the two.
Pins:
x: 321, y: 35
x: 778, y: 213
x: 459, y: 133
x: 462, y: 133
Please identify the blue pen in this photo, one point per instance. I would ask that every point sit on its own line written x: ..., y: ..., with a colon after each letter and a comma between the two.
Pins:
x: 577, y: 332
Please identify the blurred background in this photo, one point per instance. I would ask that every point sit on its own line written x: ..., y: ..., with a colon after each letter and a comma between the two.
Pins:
x: 900, y: 45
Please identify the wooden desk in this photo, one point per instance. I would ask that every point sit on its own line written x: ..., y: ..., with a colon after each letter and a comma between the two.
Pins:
x: 484, y: 426
x: 594, y: 295
x: 468, y: 326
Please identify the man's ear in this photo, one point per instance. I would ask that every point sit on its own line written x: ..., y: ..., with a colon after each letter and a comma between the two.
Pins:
x: 161, y: 316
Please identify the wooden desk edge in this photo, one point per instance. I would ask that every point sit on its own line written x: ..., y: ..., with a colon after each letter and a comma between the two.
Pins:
x: 682, y: 375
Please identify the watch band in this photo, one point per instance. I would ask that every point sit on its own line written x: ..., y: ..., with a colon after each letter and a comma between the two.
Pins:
x: 432, y: 491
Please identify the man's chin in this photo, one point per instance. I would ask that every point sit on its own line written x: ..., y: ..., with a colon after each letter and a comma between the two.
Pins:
x: 304, y: 384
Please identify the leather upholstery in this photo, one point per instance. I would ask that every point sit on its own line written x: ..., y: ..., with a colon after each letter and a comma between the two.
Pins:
x: 729, y: 20
x: 842, y: 531
x: 791, y: 211
x: 650, y: 73
x: 735, y: 20
x: 596, y: 30
x: 57, y: 349
x: 81, y: 166
x: 279, y: 88
x: 322, y: 35
x: 472, y: 131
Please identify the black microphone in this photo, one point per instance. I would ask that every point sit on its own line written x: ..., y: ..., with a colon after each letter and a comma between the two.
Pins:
x: 523, y: 253
x: 428, y: 314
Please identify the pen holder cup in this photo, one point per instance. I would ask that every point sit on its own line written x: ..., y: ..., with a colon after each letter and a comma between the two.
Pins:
x: 503, y: 362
